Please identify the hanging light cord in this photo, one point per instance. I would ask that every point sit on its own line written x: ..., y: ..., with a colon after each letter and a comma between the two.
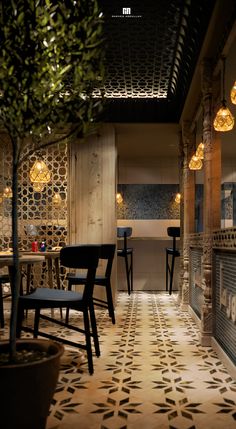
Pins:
x: 223, y: 81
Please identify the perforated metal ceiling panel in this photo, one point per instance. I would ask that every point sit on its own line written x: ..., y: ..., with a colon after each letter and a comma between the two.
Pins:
x: 152, y: 49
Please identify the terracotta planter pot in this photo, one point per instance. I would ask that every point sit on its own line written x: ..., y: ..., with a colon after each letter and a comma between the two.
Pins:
x: 26, y: 390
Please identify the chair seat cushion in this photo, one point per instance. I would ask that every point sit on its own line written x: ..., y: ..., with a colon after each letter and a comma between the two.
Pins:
x: 52, y: 296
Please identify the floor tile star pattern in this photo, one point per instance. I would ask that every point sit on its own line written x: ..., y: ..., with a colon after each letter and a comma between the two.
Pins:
x: 152, y: 373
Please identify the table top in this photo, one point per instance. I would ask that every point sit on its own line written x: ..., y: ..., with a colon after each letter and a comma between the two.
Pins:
x: 6, y: 259
x: 53, y: 254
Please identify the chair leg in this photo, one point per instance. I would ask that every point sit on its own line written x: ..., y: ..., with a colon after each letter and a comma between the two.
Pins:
x: 110, y: 303
x: 1, y: 308
x: 36, y: 322
x: 131, y: 270
x: 20, y: 317
x: 127, y: 273
x: 172, y: 273
x: 88, y: 341
x: 167, y: 271
x: 94, y: 330
x: 67, y: 310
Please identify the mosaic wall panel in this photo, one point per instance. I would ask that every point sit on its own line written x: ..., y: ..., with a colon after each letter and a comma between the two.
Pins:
x: 224, y: 301
x: 227, y: 192
x: 195, y: 275
x: 37, y: 212
x: 148, y: 201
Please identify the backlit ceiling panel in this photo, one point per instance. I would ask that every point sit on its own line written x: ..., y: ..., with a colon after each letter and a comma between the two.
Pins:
x: 151, y: 50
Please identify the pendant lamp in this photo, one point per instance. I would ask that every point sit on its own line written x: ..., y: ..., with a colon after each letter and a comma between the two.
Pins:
x: 7, y: 192
x: 119, y: 198
x: 195, y: 163
x: 224, y: 120
x: 233, y: 93
x: 39, y: 175
x: 200, y: 151
x: 178, y: 198
x: 56, y: 199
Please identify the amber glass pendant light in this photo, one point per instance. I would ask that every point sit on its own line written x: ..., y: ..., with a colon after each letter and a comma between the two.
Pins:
x: 200, y: 151
x: 57, y: 200
x: 195, y: 163
x: 39, y: 175
x: 178, y: 198
x: 224, y: 120
x: 233, y: 93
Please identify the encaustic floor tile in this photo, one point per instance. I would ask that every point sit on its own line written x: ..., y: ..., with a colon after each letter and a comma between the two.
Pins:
x: 152, y: 373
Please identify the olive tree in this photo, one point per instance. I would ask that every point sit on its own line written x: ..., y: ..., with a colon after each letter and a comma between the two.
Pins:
x: 51, y: 60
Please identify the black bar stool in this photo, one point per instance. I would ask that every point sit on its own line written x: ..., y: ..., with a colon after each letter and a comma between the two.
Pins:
x: 126, y: 253
x: 174, y: 232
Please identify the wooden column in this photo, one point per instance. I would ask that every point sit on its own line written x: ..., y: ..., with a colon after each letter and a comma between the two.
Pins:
x: 212, y: 199
x: 188, y: 180
x: 92, y: 189
x: 181, y: 190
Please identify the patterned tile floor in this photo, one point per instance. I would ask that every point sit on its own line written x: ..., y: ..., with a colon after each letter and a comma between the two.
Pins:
x: 152, y: 374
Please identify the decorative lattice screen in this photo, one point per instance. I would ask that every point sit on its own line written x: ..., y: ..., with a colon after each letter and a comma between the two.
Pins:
x: 35, y: 208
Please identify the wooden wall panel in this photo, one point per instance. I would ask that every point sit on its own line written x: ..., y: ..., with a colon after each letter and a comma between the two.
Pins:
x: 92, y: 190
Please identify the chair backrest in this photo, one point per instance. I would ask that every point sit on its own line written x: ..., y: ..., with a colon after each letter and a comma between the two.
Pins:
x: 84, y: 256
x: 124, y: 232
x: 108, y: 253
x: 174, y: 232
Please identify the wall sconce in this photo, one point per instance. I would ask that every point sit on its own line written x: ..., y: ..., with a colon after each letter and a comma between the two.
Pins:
x: 39, y: 175
x: 57, y: 200
x: 178, y: 198
x: 119, y: 198
x: 195, y: 163
x: 7, y: 192
x: 233, y: 93
x: 200, y: 151
x: 224, y: 120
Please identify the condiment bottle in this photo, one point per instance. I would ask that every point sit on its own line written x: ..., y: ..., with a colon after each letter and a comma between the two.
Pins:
x: 35, y: 246
x: 43, y: 246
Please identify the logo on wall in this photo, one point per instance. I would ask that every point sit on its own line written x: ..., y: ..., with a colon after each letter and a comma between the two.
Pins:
x: 126, y: 10
x: 126, y: 13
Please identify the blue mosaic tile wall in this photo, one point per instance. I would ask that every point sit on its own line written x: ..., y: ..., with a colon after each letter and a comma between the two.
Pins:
x: 148, y: 201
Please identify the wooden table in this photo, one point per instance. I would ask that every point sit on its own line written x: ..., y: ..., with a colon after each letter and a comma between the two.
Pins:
x: 52, y: 259
x: 6, y: 260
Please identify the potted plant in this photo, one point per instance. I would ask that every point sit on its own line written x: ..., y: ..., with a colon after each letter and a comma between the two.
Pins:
x: 51, y: 59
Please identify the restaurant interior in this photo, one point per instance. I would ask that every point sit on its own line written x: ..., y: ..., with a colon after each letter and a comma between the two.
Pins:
x: 160, y: 168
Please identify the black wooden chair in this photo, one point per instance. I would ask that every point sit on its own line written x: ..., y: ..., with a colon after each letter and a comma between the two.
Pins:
x: 107, y: 253
x: 4, y: 278
x: 126, y: 253
x: 76, y: 257
x: 172, y: 252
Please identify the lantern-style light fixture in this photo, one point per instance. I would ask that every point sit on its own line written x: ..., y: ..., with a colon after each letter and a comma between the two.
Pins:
x: 195, y: 163
x: 200, y: 151
x: 119, y: 198
x: 178, y: 198
x: 233, y: 93
x: 39, y: 175
x: 224, y: 120
x: 57, y: 200
x: 7, y: 192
